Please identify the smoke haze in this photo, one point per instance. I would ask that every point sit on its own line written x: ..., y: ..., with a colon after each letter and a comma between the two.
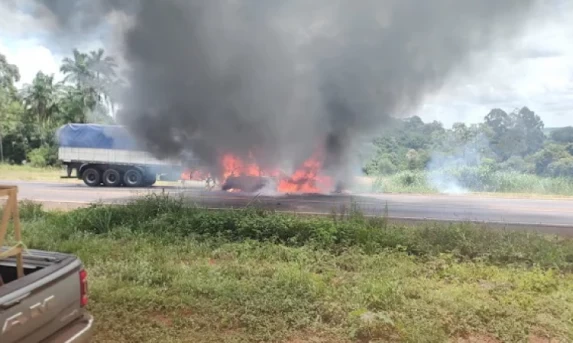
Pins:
x: 283, y: 78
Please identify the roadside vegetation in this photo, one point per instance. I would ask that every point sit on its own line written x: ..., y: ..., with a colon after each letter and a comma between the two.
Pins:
x: 31, y: 114
x: 161, y: 270
x: 472, y: 180
x: 506, y: 153
x: 29, y: 173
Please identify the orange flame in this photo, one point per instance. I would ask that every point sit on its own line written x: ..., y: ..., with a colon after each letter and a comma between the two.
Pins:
x: 234, y: 166
x: 195, y: 175
x: 306, y: 179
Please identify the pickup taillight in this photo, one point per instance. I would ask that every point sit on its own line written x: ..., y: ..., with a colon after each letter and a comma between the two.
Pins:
x: 83, y: 288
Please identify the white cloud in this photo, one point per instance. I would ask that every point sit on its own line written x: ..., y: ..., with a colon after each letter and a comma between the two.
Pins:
x: 537, y: 72
x: 30, y: 57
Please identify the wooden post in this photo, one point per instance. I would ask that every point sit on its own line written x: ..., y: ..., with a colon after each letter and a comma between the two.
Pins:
x: 11, y: 210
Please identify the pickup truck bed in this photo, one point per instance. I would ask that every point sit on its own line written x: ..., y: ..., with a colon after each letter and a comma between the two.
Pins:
x: 48, y: 303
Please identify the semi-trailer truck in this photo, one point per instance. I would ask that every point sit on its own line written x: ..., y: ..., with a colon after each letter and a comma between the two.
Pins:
x: 108, y: 155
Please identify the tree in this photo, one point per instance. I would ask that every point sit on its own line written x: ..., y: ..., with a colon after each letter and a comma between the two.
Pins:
x: 41, y: 97
x: 549, y: 154
x: 433, y: 128
x: 569, y: 148
x: 102, y: 66
x: 105, y: 76
x: 531, y: 127
x: 94, y: 77
x: 29, y: 117
x: 77, y: 70
x: 499, y: 121
x: 9, y: 75
x: 562, y: 134
x: 561, y: 167
x: 75, y: 104
x: 518, y: 133
x: 498, y: 125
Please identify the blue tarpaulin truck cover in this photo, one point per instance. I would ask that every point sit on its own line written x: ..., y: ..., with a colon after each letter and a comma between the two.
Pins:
x: 96, y: 136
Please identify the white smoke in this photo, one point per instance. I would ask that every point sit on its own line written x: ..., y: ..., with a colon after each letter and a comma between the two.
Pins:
x: 444, y: 171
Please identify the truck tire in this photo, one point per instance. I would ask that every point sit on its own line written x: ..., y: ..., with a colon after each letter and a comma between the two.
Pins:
x: 149, y: 179
x: 111, y: 178
x: 133, y: 178
x: 91, y: 177
x: 149, y: 183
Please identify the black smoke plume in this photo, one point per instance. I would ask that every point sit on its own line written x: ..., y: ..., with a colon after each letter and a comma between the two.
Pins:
x: 280, y: 79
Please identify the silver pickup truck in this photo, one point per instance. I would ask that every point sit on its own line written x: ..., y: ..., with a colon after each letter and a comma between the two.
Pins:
x: 48, y: 303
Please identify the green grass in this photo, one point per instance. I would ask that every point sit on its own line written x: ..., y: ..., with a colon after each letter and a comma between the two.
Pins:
x: 161, y: 271
x: 29, y: 173
x: 473, y: 180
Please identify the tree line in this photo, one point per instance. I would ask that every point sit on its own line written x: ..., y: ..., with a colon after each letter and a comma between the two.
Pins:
x: 515, y: 141
x: 30, y: 115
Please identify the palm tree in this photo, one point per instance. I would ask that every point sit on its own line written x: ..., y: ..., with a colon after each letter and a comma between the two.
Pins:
x: 41, y: 97
x: 106, y: 79
x: 94, y: 76
x: 75, y: 105
x: 103, y: 66
x: 77, y: 69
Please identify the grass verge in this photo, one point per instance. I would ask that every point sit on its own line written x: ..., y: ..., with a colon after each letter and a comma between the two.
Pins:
x: 28, y: 173
x: 165, y: 272
x: 473, y: 180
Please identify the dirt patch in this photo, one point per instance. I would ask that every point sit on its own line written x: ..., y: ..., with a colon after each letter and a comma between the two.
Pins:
x: 161, y: 319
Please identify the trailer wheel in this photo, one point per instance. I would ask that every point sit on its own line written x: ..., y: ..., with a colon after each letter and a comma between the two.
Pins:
x: 91, y: 177
x: 133, y: 178
x: 111, y: 178
x: 149, y: 183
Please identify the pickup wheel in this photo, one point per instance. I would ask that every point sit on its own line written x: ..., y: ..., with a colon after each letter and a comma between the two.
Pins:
x: 91, y: 177
x: 111, y: 178
x: 133, y: 178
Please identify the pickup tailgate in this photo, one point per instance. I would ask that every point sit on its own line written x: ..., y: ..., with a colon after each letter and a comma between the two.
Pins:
x: 43, y: 302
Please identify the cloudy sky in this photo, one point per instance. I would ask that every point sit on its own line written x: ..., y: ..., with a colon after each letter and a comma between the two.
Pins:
x: 537, y: 72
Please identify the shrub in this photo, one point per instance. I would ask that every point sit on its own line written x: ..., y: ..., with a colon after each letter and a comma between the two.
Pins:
x: 562, y: 167
x: 43, y: 156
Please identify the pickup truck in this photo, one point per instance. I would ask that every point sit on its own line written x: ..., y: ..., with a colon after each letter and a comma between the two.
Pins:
x: 47, y: 304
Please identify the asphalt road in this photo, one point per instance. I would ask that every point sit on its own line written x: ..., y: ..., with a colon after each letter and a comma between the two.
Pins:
x: 545, y: 214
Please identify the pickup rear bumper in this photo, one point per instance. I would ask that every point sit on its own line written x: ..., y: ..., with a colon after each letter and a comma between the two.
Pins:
x: 79, y: 331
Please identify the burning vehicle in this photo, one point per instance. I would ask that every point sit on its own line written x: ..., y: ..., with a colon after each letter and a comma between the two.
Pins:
x: 245, y: 175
